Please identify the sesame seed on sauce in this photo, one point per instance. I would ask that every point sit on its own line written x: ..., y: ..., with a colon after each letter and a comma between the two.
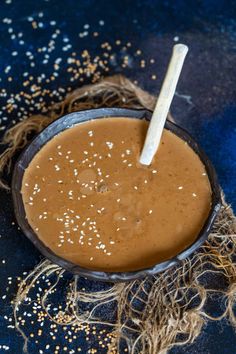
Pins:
x: 109, y: 144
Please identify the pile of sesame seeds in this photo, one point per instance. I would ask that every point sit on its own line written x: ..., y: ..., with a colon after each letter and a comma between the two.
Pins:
x: 58, y: 60
x: 51, y: 327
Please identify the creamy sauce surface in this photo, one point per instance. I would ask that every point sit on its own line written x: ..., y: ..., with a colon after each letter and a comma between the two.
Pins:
x: 91, y: 202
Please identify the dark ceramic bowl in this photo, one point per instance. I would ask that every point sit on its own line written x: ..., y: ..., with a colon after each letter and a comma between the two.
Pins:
x: 68, y: 121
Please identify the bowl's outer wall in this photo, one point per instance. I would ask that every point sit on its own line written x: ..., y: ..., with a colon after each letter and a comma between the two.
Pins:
x: 70, y: 120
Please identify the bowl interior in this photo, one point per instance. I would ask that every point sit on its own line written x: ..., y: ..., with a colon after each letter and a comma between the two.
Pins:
x: 75, y: 118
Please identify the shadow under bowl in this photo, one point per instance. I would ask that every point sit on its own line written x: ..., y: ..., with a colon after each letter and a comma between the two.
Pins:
x: 75, y: 118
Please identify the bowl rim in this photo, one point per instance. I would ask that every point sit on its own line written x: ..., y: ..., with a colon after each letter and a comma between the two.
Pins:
x: 67, y: 121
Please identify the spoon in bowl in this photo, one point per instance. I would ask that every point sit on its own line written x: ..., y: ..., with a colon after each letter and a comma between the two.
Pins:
x: 164, y: 100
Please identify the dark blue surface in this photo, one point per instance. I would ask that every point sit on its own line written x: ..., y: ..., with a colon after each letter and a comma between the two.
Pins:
x: 205, y: 103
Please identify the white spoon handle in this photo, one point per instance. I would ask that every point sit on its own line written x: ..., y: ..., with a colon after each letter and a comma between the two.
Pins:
x: 164, y: 100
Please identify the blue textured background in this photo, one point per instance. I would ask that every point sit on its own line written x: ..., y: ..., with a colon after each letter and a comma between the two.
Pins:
x: 205, y: 103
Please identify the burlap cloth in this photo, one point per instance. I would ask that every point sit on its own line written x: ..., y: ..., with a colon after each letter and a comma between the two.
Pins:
x: 154, y: 314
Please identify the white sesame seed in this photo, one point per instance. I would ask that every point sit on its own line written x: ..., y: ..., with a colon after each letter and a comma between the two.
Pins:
x: 109, y: 144
x: 180, y: 187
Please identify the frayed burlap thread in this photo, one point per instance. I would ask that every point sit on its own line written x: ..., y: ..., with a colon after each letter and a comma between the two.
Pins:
x: 152, y: 314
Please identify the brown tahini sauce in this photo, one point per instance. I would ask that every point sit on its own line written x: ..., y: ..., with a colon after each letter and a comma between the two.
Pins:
x: 88, y: 199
